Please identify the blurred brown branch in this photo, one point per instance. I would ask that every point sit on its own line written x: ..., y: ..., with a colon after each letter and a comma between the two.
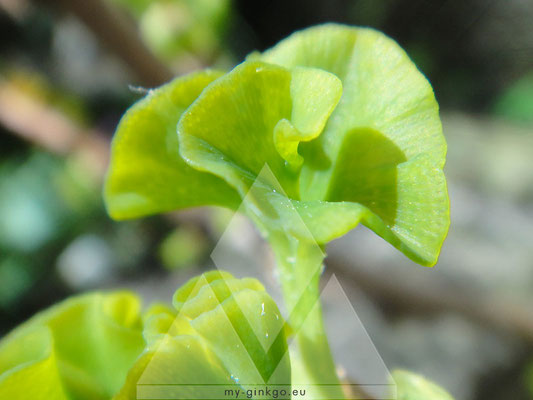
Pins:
x: 115, y: 30
x: 46, y: 127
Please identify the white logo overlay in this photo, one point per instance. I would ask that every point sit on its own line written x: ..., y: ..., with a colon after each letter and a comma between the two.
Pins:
x: 182, y: 367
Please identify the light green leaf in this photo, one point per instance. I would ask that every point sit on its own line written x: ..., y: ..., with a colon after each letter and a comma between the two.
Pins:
x: 223, y: 331
x: 392, y: 184
x: 314, y: 95
x: 257, y: 114
x: 383, y: 89
x: 409, y: 207
x: 383, y: 146
x: 241, y: 323
x: 146, y: 173
x: 28, y: 367
x: 81, y: 348
x: 410, y: 386
x: 369, y: 149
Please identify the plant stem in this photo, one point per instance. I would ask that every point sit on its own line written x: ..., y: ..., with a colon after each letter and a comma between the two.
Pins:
x: 300, y: 266
x: 300, y: 263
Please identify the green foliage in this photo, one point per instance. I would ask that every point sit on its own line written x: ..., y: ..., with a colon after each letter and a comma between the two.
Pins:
x: 97, y: 346
x: 184, y: 247
x: 79, y: 349
x: 148, y: 175
x: 222, y: 331
x: 332, y: 127
x: 410, y: 386
x: 39, y: 201
x: 373, y: 155
x: 33, y: 206
x: 173, y: 28
x: 516, y: 103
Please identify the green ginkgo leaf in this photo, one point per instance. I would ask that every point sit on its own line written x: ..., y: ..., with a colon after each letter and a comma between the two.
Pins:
x: 262, y: 113
x: 146, y: 173
x: 333, y: 127
x: 410, y: 386
x: 222, y: 333
x: 81, y: 348
x: 383, y: 143
x: 29, y: 367
x: 346, y: 123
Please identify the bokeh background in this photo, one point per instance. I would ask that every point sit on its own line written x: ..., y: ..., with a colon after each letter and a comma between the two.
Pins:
x: 70, y: 68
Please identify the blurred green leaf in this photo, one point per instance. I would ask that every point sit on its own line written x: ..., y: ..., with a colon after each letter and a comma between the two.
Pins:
x: 410, y: 386
x: 81, y: 348
x: 31, y: 212
x: 39, y: 377
x: 97, y: 346
x: 41, y: 198
x: 222, y: 331
x: 174, y: 28
x: 184, y: 247
x: 516, y: 103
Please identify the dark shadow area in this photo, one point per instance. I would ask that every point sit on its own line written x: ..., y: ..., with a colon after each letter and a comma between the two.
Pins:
x: 469, y: 50
x: 366, y: 172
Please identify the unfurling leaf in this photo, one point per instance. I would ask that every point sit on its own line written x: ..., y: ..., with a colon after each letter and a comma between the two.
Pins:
x: 221, y: 330
x: 147, y: 175
x: 222, y: 333
x: 344, y: 120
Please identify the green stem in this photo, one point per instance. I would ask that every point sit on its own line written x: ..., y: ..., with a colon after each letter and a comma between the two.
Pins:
x: 300, y: 263
x: 300, y: 266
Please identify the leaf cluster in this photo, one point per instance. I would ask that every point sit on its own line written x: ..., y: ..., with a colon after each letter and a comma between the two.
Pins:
x: 343, y: 119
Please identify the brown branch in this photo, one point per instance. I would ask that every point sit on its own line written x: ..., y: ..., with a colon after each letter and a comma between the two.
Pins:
x: 117, y: 32
x: 491, y: 312
x: 16, y: 9
x: 46, y: 127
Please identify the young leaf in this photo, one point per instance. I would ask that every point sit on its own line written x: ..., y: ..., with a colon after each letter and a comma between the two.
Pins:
x: 383, y: 144
x: 255, y: 115
x: 81, y: 348
x: 374, y: 155
x: 223, y: 331
x: 146, y: 173
x: 30, y: 358
x: 410, y: 386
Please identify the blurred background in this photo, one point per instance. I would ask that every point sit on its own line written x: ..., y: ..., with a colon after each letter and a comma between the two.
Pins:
x: 70, y: 68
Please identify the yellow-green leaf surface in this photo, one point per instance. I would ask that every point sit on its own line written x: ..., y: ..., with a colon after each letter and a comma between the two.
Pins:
x: 222, y: 331
x: 343, y: 119
x: 410, y: 386
x: 81, y: 348
x: 146, y: 173
x: 28, y: 367
x: 383, y: 145
x: 255, y: 115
